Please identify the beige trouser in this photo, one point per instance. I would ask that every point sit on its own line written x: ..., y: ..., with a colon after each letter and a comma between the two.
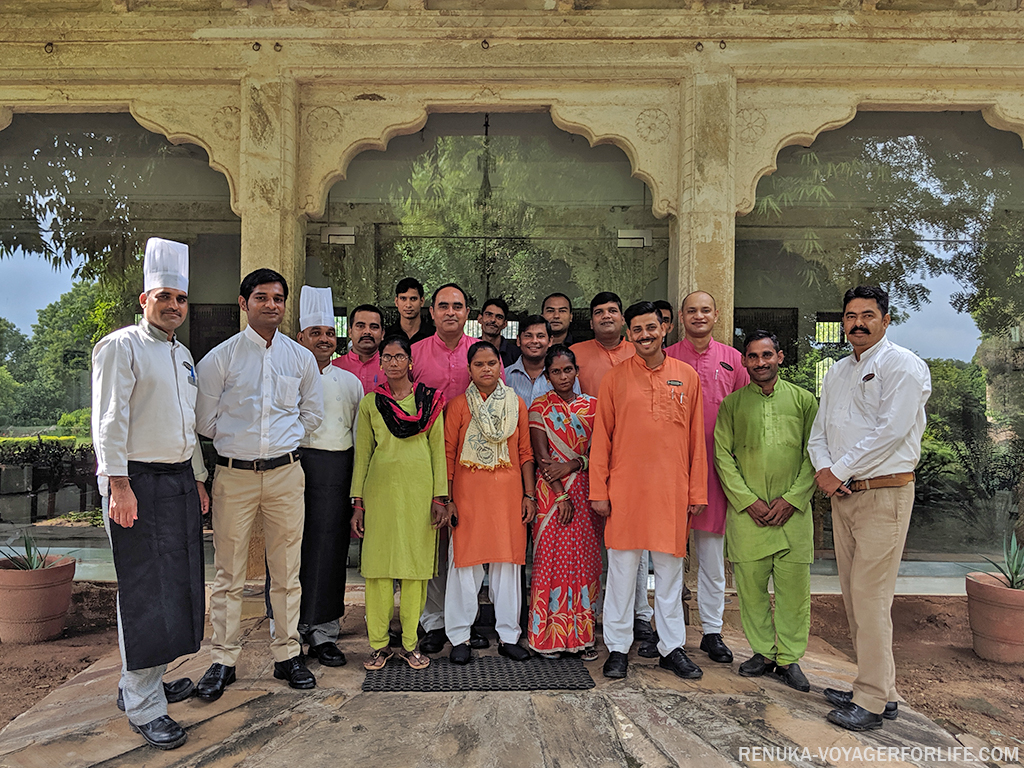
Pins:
x: 238, y: 496
x: 870, y: 529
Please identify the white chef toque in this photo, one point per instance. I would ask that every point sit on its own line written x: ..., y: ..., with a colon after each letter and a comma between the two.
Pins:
x: 316, y: 307
x: 166, y: 265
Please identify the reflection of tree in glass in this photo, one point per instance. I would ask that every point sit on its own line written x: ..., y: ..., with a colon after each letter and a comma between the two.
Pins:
x: 70, y: 189
x: 870, y: 206
x: 477, y: 211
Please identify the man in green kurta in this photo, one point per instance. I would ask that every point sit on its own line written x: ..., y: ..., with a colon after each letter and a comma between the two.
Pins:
x: 761, y: 456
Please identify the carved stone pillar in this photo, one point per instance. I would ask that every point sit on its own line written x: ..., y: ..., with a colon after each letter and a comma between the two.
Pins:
x: 273, y: 231
x: 703, y: 237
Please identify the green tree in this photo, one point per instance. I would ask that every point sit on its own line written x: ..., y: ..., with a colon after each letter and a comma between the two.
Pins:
x: 58, y: 356
x: 13, y: 348
x: 9, y: 389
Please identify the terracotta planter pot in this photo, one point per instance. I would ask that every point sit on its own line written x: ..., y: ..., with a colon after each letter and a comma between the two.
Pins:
x: 996, y: 613
x: 34, y: 604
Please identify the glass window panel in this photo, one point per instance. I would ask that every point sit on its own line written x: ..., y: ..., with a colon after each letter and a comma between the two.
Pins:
x: 521, y: 212
x: 931, y: 207
x: 81, y: 193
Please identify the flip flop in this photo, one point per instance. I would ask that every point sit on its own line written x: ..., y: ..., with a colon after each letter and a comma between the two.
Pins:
x: 415, y: 659
x: 378, y: 658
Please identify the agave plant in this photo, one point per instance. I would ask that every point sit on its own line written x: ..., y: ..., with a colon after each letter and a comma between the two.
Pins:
x: 31, y: 559
x: 1012, y: 566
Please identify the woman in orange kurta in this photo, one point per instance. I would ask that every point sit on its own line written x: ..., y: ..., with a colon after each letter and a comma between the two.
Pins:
x: 491, y: 477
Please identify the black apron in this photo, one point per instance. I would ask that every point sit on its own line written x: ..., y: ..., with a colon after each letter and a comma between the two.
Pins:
x: 325, y: 536
x: 159, y: 566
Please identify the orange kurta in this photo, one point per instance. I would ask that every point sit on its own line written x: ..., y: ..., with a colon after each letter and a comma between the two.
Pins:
x: 490, y: 503
x: 595, y: 360
x: 648, y: 455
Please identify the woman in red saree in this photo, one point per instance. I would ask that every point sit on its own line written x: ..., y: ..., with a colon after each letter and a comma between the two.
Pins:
x: 567, y: 533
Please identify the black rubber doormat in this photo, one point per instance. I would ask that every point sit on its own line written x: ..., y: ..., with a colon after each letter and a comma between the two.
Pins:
x: 484, y: 673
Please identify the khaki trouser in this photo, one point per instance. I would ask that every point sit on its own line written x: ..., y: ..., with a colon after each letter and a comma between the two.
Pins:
x: 870, y: 529
x: 238, y: 496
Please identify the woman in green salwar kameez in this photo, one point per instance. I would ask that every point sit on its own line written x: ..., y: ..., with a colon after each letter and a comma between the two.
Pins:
x: 399, y: 489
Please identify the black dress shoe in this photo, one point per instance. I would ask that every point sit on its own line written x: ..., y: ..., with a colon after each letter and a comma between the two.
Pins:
x: 433, y: 641
x: 642, y: 630
x: 854, y: 717
x: 212, y: 684
x: 162, y: 733
x: 756, y: 666
x: 616, y: 665
x: 715, y: 647
x: 794, y: 677
x: 842, y: 699
x: 328, y: 654
x: 174, y: 691
x: 461, y: 653
x: 679, y: 663
x: 513, y: 651
x: 478, y: 641
x: 649, y: 648
x: 295, y: 672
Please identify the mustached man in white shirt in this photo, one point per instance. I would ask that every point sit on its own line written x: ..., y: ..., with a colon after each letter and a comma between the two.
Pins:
x: 143, y: 426
x: 259, y: 396
x: 864, y: 445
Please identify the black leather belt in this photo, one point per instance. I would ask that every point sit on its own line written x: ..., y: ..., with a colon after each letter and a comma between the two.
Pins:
x: 260, y: 465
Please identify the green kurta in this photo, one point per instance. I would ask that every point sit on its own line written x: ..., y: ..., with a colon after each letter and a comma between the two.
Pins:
x: 397, y: 479
x: 760, y: 453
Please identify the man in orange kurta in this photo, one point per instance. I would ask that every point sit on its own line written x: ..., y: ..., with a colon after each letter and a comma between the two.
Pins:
x: 648, y: 475
x: 491, y: 530
x: 607, y: 349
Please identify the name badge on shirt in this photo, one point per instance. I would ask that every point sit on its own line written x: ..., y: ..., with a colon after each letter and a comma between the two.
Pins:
x: 726, y: 365
x: 868, y: 377
x: 679, y: 395
x: 191, y: 374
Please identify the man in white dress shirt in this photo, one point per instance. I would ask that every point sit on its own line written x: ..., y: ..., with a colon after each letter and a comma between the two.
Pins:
x: 259, y: 396
x: 143, y: 426
x: 327, y: 462
x: 864, y: 445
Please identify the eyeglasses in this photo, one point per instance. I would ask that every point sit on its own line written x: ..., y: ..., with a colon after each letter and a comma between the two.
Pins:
x: 399, y: 358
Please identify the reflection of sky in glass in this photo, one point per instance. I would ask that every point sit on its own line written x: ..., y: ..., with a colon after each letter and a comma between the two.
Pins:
x: 27, y: 284
x: 938, y: 330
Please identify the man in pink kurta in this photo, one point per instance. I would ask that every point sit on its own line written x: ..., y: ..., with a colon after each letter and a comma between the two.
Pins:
x: 441, y: 362
x: 366, y: 330
x: 721, y: 372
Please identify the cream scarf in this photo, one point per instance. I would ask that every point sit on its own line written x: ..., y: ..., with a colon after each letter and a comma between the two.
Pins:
x: 492, y: 422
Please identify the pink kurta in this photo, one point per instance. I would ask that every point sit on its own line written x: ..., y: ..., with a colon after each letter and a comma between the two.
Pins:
x: 721, y: 372
x: 443, y: 369
x: 368, y: 373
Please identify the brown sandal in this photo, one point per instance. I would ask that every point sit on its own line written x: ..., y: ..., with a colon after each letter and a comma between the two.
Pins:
x: 415, y: 659
x: 378, y: 658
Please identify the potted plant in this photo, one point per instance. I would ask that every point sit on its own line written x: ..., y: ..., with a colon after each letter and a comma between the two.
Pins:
x: 35, y: 593
x: 995, y: 606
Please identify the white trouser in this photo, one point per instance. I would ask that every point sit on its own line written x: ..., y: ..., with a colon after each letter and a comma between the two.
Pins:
x: 433, y: 611
x: 644, y: 611
x: 710, y: 579
x: 620, y: 600
x: 461, y: 604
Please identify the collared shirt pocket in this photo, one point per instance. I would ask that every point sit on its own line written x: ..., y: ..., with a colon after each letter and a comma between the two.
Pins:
x: 286, y: 391
x: 868, y: 394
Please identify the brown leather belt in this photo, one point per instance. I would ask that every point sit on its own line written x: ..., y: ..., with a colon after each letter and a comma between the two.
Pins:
x: 897, y: 480
x: 260, y: 465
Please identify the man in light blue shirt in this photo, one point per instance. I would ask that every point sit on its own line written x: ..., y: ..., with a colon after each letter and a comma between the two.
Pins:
x: 526, y: 375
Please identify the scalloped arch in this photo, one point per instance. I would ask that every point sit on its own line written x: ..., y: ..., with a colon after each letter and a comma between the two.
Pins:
x: 171, y: 123
x: 759, y: 159
x: 322, y: 164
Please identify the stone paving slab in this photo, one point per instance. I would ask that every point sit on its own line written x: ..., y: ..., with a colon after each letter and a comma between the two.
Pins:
x: 650, y: 719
